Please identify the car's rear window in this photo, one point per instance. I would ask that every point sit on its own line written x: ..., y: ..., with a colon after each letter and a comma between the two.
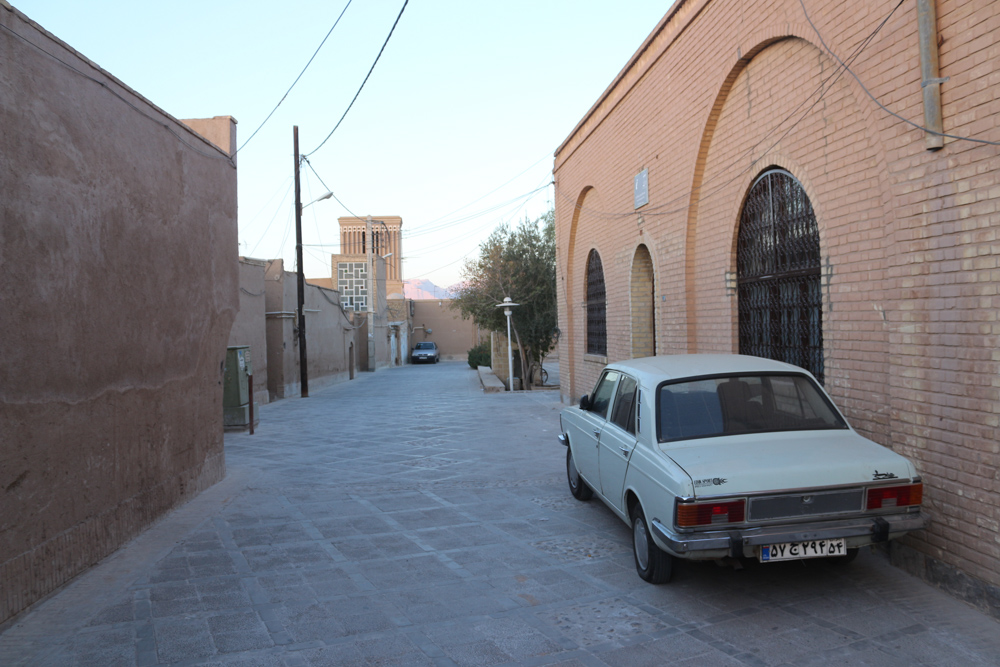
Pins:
x: 730, y: 405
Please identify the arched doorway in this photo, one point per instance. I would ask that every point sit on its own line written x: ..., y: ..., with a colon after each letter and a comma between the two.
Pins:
x: 778, y: 269
x: 643, y: 304
x: 597, y: 332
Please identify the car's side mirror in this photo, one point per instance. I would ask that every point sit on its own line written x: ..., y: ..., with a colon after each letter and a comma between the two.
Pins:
x: 585, y: 402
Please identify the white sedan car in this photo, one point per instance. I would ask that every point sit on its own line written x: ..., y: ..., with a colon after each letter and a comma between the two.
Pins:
x: 714, y: 456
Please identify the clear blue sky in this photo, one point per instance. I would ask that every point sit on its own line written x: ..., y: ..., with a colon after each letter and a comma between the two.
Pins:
x: 459, y: 119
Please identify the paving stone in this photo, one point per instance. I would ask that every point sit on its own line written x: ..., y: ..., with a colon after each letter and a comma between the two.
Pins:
x: 423, y: 538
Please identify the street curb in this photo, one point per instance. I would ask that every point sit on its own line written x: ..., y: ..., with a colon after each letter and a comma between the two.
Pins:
x: 491, y: 383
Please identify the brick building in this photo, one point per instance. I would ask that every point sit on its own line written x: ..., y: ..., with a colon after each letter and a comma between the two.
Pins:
x: 736, y: 190
x: 387, y: 242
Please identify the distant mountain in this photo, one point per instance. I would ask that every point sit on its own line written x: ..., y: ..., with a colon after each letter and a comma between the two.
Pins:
x: 420, y: 289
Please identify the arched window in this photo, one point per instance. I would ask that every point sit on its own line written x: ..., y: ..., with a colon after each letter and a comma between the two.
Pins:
x: 778, y: 273
x: 597, y: 332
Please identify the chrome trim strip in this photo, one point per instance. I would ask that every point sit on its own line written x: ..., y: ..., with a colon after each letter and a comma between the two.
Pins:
x: 812, y: 489
x: 684, y: 543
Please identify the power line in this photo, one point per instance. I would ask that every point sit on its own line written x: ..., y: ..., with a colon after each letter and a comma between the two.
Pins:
x: 296, y: 78
x: 128, y: 103
x: 431, y: 230
x: 875, y: 100
x: 288, y: 189
x: 429, y: 222
x: 520, y: 203
x: 305, y: 159
x: 684, y: 199
x: 406, y: 2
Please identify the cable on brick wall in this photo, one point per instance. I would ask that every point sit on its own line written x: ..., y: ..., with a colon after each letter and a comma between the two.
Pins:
x: 875, y: 99
x: 682, y: 201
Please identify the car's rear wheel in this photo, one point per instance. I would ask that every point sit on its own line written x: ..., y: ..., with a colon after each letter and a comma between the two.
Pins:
x: 577, y: 486
x: 652, y: 563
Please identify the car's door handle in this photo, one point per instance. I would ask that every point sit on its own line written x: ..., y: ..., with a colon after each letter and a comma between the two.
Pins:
x: 597, y: 433
x: 624, y: 451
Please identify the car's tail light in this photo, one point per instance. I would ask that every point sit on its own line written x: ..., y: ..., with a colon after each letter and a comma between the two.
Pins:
x: 710, y: 513
x: 895, y: 496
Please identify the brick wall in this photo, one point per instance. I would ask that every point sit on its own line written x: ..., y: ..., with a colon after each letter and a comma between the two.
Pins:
x: 722, y: 90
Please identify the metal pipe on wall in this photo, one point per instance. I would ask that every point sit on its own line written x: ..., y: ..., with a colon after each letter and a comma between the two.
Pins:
x: 930, y: 74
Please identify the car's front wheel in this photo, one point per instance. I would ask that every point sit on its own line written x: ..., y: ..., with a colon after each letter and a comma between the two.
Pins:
x: 652, y: 563
x: 577, y: 486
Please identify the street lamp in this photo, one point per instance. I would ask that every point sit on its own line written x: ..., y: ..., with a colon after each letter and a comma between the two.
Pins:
x: 326, y: 196
x: 507, y: 305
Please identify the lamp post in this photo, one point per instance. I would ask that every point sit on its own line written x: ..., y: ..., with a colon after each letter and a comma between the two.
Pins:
x: 507, y: 305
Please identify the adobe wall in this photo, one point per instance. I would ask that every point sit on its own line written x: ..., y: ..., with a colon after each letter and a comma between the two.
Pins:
x: 249, y: 327
x: 330, y: 334
x: 453, y: 335
x: 118, y: 288
x: 722, y: 90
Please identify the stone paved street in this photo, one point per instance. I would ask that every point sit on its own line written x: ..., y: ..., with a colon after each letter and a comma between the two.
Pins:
x: 406, y: 518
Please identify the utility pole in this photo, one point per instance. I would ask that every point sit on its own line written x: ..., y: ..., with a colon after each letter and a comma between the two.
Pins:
x: 303, y: 370
x: 371, y: 294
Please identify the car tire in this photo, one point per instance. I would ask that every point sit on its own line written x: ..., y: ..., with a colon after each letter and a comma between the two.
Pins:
x: 577, y: 486
x: 652, y: 563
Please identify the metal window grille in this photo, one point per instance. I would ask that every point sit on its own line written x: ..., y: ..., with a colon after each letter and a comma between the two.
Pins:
x: 778, y: 274
x: 597, y: 332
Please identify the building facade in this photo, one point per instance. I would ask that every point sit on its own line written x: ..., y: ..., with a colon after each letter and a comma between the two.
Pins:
x: 386, y: 242
x: 737, y: 189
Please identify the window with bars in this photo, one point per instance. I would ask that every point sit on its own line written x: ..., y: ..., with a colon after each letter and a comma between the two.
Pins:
x: 778, y: 267
x: 597, y: 333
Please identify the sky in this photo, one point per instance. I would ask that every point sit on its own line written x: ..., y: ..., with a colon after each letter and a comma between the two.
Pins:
x: 454, y: 131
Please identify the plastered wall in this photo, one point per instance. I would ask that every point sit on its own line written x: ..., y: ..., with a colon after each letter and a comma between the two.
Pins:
x: 330, y: 335
x: 118, y: 288
x: 249, y: 327
x: 453, y: 335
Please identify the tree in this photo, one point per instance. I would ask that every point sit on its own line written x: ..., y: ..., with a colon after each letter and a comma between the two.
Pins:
x: 520, y: 263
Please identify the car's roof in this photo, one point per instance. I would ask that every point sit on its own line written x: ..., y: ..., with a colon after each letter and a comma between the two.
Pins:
x: 652, y: 370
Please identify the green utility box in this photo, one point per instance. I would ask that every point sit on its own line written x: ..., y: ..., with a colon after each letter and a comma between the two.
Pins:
x: 236, y: 389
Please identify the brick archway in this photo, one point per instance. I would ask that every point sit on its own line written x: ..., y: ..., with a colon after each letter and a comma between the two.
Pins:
x: 643, y: 304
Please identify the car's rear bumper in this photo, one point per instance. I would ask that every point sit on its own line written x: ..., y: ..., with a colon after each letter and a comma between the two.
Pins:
x: 743, y: 541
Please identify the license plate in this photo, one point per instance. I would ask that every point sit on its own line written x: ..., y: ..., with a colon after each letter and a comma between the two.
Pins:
x: 797, y: 550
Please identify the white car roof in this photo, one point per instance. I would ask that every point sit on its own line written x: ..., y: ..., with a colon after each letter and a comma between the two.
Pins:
x: 652, y: 370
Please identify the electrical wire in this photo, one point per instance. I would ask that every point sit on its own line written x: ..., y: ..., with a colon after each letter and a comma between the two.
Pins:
x: 406, y: 2
x: 288, y: 189
x: 128, y: 103
x: 315, y: 53
x: 305, y: 159
x: 875, y: 99
x: 478, y: 214
x: 684, y: 199
x: 475, y: 201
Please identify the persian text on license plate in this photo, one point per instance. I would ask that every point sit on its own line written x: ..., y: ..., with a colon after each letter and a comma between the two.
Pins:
x: 796, y: 550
